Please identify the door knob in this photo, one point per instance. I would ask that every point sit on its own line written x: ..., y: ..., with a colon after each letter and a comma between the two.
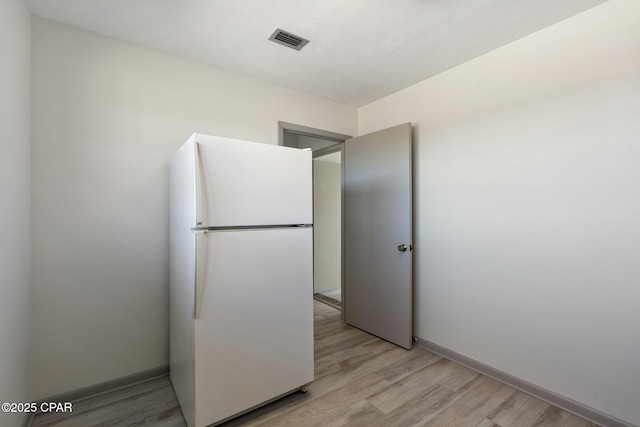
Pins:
x: 402, y: 247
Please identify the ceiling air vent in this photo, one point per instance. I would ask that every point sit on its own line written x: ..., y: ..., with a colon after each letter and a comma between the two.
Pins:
x: 287, y: 39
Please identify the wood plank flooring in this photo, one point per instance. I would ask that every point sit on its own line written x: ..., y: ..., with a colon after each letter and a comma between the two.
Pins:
x: 360, y: 380
x: 151, y: 403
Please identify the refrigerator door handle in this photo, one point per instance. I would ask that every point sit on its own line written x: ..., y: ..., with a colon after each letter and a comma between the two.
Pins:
x: 200, y: 262
x: 199, y: 187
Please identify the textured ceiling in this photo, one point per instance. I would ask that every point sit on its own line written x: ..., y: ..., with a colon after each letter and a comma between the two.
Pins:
x: 359, y: 50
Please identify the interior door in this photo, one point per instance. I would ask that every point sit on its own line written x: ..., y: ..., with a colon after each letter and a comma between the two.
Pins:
x: 378, y: 234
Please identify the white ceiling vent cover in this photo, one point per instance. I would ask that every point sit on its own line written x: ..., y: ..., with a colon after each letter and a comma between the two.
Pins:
x: 287, y: 39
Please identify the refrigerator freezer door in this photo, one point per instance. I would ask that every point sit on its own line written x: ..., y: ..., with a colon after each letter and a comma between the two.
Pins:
x: 247, y: 183
x: 254, y: 335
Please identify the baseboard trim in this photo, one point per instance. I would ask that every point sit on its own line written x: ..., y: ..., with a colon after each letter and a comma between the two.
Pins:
x: 328, y: 300
x: 562, y: 402
x: 80, y: 394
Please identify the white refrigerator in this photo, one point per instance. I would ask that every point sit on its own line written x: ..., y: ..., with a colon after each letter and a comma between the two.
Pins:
x: 241, y: 273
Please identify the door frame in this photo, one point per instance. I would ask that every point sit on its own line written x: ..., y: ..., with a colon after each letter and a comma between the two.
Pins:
x: 309, y: 131
x: 339, y: 140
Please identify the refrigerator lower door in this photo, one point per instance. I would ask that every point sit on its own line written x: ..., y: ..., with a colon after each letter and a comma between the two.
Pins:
x: 254, y: 333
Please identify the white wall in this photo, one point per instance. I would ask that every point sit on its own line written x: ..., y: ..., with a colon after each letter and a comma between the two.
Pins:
x: 107, y: 116
x: 528, y: 206
x: 14, y: 206
x: 327, y: 219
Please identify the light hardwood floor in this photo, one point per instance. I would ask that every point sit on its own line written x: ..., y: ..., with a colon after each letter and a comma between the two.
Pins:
x: 360, y: 380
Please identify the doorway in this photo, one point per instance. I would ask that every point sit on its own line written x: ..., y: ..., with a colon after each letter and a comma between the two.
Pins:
x: 376, y: 251
x: 327, y: 148
x: 327, y: 227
